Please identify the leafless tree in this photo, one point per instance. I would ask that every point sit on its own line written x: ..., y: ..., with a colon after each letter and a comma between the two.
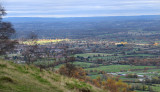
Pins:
x: 30, y: 52
x: 69, y: 60
x: 6, y: 31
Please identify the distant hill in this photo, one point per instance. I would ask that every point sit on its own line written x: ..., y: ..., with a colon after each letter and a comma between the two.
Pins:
x: 28, y: 19
x: 24, y: 78
x: 82, y: 27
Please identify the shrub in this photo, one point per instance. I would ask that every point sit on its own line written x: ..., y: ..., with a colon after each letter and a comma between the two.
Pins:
x: 131, y: 76
x: 6, y: 79
x: 3, y: 65
x: 81, y: 86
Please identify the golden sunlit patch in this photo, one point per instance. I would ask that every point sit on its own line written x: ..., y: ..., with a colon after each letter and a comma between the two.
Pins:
x: 43, y: 41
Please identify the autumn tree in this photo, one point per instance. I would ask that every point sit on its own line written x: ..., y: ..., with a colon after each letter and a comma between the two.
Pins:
x: 70, y: 68
x: 6, y: 31
x: 116, y: 85
x: 76, y: 72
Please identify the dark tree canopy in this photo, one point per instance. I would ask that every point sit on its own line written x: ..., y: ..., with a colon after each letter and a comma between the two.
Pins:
x: 2, y: 12
x: 6, y: 31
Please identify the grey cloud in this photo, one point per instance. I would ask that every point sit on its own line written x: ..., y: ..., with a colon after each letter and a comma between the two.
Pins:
x: 82, y: 7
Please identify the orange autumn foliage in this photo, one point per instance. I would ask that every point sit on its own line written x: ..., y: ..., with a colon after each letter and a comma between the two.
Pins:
x: 116, y: 86
x: 112, y: 84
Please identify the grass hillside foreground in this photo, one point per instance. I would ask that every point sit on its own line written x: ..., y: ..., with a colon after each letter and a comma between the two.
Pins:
x: 24, y: 78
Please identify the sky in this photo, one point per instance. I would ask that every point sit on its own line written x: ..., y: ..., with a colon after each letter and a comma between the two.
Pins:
x: 80, y: 8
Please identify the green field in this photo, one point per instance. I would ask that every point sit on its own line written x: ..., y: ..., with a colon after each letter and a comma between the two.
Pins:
x: 156, y: 87
x: 92, y: 54
x: 82, y: 64
x: 118, y: 68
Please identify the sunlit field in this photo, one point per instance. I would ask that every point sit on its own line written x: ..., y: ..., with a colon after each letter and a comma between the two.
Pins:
x: 43, y: 41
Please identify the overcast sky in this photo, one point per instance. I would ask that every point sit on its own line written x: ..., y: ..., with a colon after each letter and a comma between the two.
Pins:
x: 80, y: 8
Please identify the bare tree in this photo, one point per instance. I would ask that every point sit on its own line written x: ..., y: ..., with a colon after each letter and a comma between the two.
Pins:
x: 30, y: 53
x: 69, y: 60
x: 6, y: 31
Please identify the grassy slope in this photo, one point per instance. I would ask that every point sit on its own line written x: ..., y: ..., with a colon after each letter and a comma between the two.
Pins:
x: 23, y: 78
